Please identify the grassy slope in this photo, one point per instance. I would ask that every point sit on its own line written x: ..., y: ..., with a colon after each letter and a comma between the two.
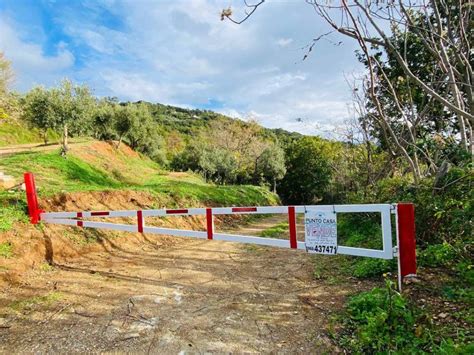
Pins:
x: 13, y: 133
x: 99, y: 166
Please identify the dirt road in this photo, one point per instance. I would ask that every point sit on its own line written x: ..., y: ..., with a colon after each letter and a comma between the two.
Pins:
x: 37, y: 147
x: 174, y: 295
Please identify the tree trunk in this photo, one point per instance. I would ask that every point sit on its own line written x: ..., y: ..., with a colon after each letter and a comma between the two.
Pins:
x: 65, y: 146
x: 45, y: 137
x: 118, y: 143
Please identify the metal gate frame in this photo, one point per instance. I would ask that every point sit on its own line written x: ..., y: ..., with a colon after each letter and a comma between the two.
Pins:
x: 405, y: 250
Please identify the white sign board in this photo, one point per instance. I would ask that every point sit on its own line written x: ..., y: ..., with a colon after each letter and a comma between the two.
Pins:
x: 320, y: 232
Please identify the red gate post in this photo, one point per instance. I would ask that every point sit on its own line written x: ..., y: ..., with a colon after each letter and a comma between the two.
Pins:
x: 140, y: 221
x: 210, y: 223
x: 406, y: 239
x: 292, y: 227
x: 32, y: 198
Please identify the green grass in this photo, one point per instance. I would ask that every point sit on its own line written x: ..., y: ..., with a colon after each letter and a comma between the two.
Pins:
x: 355, y: 230
x: 362, y: 230
x: 279, y: 231
x: 11, y: 214
x: 55, y: 174
x: 13, y: 133
x: 6, y: 250
x: 334, y: 269
x: 387, y: 322
x: 45, y: 300
x: 46, y: 267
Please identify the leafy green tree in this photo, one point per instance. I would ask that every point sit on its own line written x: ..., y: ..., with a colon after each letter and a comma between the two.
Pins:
x: 73, y: 107
x: 188, y: 159
x: 67, y: 109
x: 103, y: 119
x: 271, y: 164
x: 308, y: 172
x: 38, y: 110
x: 123, y: 121
x: 9, y: 103
x: 135, y: 125
x: 218, y: 164
x: 6, y: 74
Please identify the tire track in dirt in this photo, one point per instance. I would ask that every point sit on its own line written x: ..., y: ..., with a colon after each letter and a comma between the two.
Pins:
x: 175, y: 295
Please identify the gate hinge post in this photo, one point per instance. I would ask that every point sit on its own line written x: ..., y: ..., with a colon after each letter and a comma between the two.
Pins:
x: 395, y: 251
x: 393, y: 208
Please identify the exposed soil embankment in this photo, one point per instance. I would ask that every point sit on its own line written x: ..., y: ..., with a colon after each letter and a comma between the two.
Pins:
x: 33, y: 246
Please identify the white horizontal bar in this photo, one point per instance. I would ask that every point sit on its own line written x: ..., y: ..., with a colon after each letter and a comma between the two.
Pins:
x: 163, y: 213
x: 224, y: 210
x: 371, y: 253
x: 281, y: 243
x: 50, y: 215
x: 301, y: 245
x: 91, y: 224
x: 347, y: 208
x: 260, y: 210
x: 175, y: 232
x: 112, y: 226
x: 65, y: 221
x: 124, y: 213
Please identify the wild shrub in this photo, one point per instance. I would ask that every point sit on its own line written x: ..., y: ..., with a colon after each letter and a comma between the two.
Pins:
x: 437, y: 255
x: 444, y: 210
x: 380, y: 321
x: 369, y: 268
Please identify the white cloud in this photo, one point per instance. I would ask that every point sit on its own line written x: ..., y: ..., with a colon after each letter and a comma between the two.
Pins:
x: 181, y: 53
x: 283, y: 42
x: 134, y: 87
x: 30, y: 63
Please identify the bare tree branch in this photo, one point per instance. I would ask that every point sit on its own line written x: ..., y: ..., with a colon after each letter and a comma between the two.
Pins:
x: 227, y: 13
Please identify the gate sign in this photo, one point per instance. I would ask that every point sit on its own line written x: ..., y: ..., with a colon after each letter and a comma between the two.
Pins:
x: 320, y: 232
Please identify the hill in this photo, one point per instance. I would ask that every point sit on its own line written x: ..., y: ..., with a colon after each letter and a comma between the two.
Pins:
x: 14, y: 132
x: 99, y: 166
x: 187, y: 122
x: 97, y: 175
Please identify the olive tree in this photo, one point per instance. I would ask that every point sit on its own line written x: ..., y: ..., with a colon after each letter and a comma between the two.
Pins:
x: 38, y: 110
x: 73, y: 107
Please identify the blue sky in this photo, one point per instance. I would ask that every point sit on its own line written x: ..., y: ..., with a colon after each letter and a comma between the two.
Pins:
x: 180, y: 53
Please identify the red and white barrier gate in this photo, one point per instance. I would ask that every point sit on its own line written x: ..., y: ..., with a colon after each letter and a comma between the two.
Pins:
x: 404, y: 212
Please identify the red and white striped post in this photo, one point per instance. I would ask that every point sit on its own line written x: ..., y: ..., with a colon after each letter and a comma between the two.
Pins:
x: 406, y: 239
x: 32, y: 198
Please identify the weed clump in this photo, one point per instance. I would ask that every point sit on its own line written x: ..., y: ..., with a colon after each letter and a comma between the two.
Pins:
x: 382, y: 321
x: 6, y: 250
